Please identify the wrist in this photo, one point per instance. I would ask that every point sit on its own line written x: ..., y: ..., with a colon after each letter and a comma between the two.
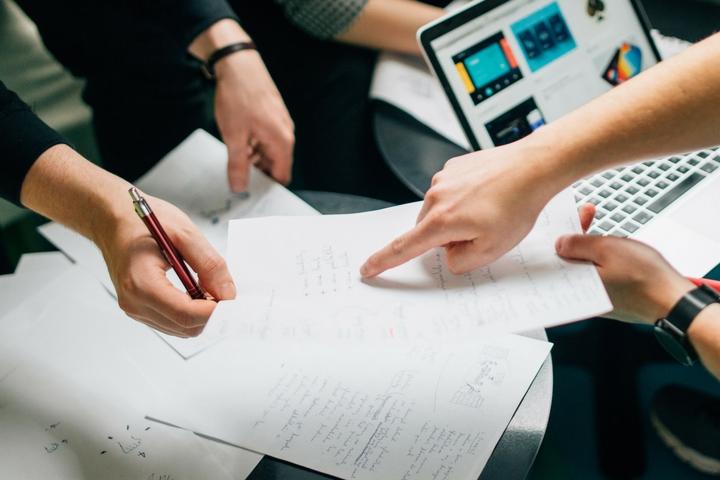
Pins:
x: 669, y: 295
x: 114, y: 217
x: 218, y: 35
x: 235, y: 63
x: 705, y: 326
x: 545, y: 168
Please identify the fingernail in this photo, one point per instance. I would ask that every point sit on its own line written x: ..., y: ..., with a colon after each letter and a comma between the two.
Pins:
x: 227, y: 291
x: 559, y: 244
x: 365, y: 270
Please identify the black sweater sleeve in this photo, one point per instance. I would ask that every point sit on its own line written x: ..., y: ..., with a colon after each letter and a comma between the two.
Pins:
x: 23, y: 138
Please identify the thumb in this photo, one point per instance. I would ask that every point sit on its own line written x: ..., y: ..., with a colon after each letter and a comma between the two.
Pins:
x: 211, y: 268
x: 580, y: 247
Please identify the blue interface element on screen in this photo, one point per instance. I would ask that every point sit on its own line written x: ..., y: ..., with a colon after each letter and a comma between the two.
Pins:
x: 544, y: 36
x: 487, y: 65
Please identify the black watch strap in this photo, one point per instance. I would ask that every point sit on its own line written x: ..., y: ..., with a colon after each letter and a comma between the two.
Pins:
x: 208, y: 68
x: 671, y: 331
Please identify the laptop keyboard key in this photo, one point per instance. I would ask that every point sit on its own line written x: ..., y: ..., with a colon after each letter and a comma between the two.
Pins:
x: 642, y: 218
x: 617, y: 217
x: 662, y: 185
x: 672, y: 177
x: 585, y: 190
x: 683, y: 169
x: 620, y: 198
x: 651, y: 192
x: 674, y: 159
x: 664, y: 167
x: 703, y: 154
x: 708, y: 167
x: 609, y: 174
x: 643, y: 182
x: 616, y: 185
x: 632, y: 190
x: 606, y: 226
x: 605, y: 193
x: 596, y: 182
x: 653, y: 174
x: 658, y: 205
x: 627, y: 177
x: 629, y: 209
x: 630, y: 227
x: 610, y: 206
x: 638, y: 169
x: 693, y: 161
x: 641, y: 200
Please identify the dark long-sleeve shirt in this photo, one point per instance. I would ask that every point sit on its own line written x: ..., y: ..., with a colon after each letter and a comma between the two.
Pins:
x: 127, y: 47
x: 23, y: 138
x: 123, y: 48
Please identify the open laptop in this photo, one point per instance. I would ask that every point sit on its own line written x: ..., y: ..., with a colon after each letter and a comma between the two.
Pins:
x: 510, y: 66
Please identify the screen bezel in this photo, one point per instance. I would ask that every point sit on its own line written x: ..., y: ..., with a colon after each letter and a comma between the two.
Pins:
x: 447, y: 24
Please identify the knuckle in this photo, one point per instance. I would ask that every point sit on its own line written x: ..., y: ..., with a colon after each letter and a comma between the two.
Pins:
x: 432, y: 196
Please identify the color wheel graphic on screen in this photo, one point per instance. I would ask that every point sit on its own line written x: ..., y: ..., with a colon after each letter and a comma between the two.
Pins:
x: 625, y: 64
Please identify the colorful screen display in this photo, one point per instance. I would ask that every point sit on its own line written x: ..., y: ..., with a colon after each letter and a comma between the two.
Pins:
x: 487, y: 67
x: 543, y: 36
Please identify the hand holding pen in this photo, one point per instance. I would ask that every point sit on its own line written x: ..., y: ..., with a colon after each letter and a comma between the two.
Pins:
x: 138, y: 268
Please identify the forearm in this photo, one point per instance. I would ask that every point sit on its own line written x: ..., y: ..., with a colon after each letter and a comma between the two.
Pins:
x: 63, y: 186
x: 670, y: 108
x: 390, y: 25
x: 704, y: 334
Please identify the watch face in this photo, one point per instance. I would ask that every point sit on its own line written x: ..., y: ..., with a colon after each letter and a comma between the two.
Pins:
x: 673, y: 347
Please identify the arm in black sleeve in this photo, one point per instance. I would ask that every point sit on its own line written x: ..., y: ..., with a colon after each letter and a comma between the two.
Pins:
x: 23, y: 138
x: 186, y: 19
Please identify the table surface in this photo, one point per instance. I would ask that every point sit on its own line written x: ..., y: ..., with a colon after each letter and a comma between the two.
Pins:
x: 516, y: 451
x: 415, y: 153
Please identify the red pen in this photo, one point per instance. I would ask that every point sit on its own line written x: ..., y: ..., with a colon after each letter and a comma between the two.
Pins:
x: 714, y: 284
x: 171, y: 254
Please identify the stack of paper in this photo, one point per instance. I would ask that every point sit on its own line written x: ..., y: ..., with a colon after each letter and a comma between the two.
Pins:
x: 392, y: 378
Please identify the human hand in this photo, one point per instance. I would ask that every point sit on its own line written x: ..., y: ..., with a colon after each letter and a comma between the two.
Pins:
x: 253, y: 120
x: 641, y: 284
x: 478, y: 207
x: 137, y: 269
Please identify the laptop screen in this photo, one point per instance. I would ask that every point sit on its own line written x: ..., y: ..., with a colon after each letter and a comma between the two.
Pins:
x: 528, y: 62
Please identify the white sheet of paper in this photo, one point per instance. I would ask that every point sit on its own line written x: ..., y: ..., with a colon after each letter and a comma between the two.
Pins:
x: 406, y: 82
x: 69, y: 355
x: 43, y: 262
x: 193, y: 177
x: 318, y: 259
x: 421, y: 411
x: 668, y: 46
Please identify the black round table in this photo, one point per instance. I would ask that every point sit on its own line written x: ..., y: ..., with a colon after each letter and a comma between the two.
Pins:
x: 413, y: 151
x: 516, y: 451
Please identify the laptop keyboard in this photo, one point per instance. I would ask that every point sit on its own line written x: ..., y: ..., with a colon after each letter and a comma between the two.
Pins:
x: 629, y: 197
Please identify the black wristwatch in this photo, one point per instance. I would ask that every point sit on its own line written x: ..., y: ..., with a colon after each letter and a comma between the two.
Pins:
x: 671, y: 331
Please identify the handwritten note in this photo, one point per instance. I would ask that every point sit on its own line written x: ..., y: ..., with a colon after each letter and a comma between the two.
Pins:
x: 420, y: 411
x: 317, y: 258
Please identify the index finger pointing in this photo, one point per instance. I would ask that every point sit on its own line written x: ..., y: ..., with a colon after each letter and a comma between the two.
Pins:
x: 404, y: 248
